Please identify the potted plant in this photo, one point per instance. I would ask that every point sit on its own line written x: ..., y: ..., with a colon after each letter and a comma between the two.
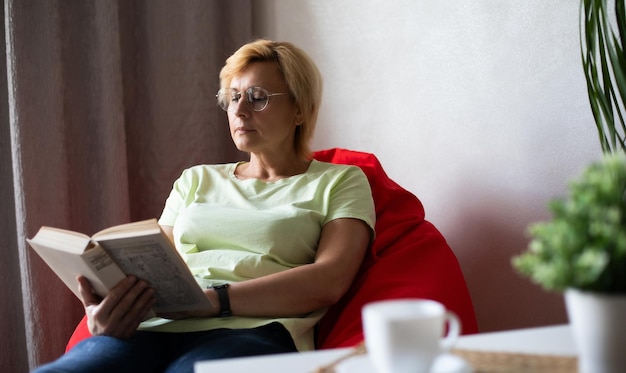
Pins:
x: 582, y: 250
x: 584, y: 245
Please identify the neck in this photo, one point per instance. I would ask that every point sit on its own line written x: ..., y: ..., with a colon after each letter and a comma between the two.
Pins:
x: 266, y: 170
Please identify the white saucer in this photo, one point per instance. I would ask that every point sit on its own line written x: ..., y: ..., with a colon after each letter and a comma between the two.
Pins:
x: 445, y: 363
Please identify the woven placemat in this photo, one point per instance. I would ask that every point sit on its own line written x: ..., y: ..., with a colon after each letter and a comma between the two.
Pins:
x: 504, y: 362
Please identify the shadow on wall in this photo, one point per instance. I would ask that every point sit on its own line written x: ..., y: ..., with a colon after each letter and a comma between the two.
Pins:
x: 485, y: 238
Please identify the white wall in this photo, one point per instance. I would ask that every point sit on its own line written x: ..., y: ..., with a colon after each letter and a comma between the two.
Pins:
x: 478, y: 107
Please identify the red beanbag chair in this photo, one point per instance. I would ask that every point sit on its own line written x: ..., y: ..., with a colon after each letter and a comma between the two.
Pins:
x: 81, y: 332
x: 408, y: 259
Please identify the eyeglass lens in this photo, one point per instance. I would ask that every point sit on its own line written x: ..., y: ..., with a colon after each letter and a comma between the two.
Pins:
x: 256, y: 98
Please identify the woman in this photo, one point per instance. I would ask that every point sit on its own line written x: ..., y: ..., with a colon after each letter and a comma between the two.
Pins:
x: 275, y: 240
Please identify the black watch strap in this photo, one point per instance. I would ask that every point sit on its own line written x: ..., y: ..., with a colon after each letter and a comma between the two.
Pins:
x: 222, y: 295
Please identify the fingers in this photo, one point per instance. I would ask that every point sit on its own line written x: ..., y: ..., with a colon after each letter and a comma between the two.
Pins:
x: 121, y: 311
x: 123, y: 294
x: 129, y: 310
x: 86, y: 292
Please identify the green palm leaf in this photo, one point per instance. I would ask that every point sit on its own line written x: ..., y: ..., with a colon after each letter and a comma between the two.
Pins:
x: 604, y: 65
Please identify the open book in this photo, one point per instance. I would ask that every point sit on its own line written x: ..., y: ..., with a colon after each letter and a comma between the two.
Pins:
x: 140, y: 249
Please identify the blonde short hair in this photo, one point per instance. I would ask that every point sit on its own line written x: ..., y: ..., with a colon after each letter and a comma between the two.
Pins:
x: 300, y: 74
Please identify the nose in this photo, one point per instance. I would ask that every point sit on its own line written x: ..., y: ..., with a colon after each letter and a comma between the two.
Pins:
x: 239, y: 107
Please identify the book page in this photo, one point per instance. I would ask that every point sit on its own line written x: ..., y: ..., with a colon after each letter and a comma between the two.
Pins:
x: 62, y: 240
x: 153, y: 259
x: 108, y: 274
x: 143, y: 227
x: 95, y: 264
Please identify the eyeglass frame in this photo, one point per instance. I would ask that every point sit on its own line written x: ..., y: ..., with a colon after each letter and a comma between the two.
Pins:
x: 248, y: 93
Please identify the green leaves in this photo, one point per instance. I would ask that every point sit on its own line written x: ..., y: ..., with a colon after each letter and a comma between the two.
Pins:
x: 584, y: 245
x: 604, y: 65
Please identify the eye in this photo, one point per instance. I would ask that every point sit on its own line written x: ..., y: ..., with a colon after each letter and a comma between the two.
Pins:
x: 234, y: 96
x: 257, y: 94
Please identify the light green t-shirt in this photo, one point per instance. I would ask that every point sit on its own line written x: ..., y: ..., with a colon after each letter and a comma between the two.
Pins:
x: 233, y: 230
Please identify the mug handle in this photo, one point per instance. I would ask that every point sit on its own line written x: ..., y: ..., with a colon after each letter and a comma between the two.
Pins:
x: 454, y: 330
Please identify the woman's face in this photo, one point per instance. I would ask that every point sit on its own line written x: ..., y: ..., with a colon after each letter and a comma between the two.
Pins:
x: 271, y: 130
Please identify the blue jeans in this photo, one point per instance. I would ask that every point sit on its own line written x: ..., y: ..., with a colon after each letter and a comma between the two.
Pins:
x: 169, y: 352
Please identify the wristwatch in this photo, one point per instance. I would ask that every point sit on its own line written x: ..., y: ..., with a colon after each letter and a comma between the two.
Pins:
x: 222, y: 294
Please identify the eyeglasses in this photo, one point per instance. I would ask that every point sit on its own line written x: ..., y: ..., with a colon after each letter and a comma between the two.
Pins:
x: 257, y: 98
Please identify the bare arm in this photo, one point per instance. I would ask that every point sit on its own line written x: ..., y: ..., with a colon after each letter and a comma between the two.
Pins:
x: 306, y: 288
x: 292, y: 292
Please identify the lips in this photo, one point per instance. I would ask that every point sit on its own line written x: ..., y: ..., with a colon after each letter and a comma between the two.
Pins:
x: 243, y: 130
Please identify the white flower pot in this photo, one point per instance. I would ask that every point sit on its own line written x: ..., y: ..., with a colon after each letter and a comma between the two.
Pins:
x: 598, y: 324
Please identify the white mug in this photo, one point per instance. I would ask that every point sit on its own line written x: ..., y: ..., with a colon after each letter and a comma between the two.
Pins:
x: 406, y: 335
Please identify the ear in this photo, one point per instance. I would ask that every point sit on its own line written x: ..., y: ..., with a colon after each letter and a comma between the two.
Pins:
x: 298, y: 118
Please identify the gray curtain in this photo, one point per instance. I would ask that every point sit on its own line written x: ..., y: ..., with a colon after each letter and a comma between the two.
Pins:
x: 104, y: 102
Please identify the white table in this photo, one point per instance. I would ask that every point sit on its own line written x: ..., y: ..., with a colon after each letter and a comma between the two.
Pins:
x: 548, y: 340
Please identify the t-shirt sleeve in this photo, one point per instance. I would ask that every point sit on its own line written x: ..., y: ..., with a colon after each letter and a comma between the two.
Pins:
x: 351, y: 197
x: 176, y: 198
